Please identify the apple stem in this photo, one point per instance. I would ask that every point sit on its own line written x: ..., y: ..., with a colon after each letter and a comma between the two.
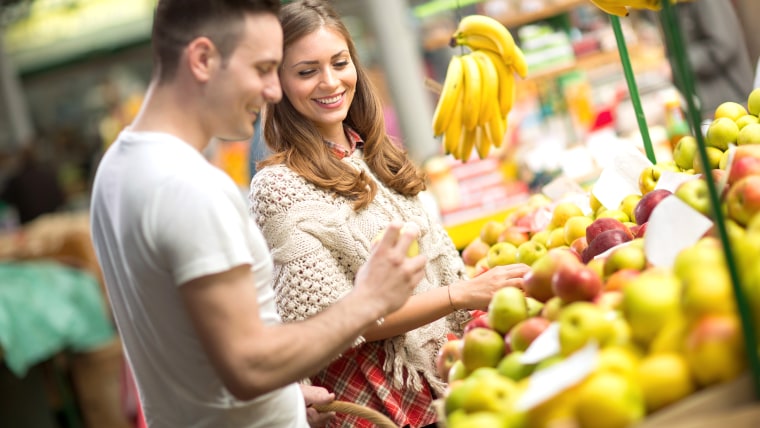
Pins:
x: 684, y: 75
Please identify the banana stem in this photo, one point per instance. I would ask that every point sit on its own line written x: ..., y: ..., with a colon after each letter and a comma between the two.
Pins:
x: 633, y: 90
x: 685, y: 76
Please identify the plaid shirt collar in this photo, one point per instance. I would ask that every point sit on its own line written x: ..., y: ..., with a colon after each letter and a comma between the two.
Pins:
x: 354, y: 139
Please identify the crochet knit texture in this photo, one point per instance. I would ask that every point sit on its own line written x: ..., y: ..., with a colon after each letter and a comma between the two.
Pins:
x: 319, y: 242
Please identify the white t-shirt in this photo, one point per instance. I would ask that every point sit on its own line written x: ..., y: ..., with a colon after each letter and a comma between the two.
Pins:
x: 161, y: 216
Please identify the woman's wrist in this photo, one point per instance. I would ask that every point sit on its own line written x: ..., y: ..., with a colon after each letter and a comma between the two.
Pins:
x: 453, y: 295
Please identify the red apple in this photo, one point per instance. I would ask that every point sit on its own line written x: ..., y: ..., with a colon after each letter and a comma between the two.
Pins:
x: 647, y: 203
x: 746, y: 162
x: 618, y: 280
x: 579, y: 245
x: 604, y: 241
x: 515, y: 235
x: 715, y: 349
x: 474, y: 251
x: 603, y: 224
x: 449, y: 353
x: 525, y: 332
x: 573, y: 282
x: 743, y: 199
x: 537, y: 283
x: 639, y: 230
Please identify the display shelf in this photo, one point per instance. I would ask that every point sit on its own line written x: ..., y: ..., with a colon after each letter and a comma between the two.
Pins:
x: 558, y: 7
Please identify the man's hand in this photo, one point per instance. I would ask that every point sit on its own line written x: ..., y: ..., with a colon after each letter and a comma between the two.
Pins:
x: 389, y: 276
x: 317, y: 395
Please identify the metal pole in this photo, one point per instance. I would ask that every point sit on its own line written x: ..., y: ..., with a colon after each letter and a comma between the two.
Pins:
x: 397, y: 41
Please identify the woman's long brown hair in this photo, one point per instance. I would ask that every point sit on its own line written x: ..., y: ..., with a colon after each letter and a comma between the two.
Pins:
x: 295, y: 141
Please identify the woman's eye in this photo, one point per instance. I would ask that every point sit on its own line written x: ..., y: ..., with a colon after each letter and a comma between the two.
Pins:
x: 305, y: 73
x: 342, y: 63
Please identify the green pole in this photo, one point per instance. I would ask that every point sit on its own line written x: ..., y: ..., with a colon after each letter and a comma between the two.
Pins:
x: 685, y: 76
x: 633, y: 90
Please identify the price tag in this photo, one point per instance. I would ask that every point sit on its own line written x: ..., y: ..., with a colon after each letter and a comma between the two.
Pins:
x: 672, y: 226
x: 544, y: 346
x: 545, y: 384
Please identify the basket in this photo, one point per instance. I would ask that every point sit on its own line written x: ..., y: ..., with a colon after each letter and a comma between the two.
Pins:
x: 377, y: 418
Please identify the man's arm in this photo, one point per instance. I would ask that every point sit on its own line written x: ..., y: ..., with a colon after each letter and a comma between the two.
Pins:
x: 252, y: 358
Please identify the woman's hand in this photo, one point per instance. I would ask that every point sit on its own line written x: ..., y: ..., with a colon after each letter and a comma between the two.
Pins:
x: 476, y: 293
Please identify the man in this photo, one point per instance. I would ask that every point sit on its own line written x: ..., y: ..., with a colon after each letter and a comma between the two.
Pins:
x: 187, y: 272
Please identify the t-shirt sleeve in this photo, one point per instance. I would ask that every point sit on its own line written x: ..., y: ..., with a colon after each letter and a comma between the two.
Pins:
x: 200, y: 229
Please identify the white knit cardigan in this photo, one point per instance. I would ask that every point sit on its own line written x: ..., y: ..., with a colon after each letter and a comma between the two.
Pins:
x: 319, y: 242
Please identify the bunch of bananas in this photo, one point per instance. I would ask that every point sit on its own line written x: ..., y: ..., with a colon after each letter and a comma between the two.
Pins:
x: 620, y: 7
x: 479, y: 88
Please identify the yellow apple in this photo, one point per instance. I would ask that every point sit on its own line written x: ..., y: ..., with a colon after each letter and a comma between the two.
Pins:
x: 508, y: 307
x: 731, y: 110
x: 490, y: 231
x: 575, y: 227
x: 753, y: 102
x: 501, y: 254
x: 562, y: 212
x: 747, y: 119
x: 628, y: 204
x: 750, y: 134
x: 664, y: 379
x: 609, y: 400
x: 715, y: 349
x: 649, y: 300
x: 721, y: 132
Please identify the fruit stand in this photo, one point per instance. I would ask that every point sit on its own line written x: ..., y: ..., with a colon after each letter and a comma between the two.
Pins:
x: 641, y: 304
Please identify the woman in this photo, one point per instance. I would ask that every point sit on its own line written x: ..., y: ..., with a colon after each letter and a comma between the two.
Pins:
x: 333, y: 182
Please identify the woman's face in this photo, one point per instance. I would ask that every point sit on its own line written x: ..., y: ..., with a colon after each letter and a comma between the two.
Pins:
x: 319, y: 78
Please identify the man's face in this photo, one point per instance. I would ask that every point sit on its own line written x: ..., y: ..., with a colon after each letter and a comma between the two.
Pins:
x: 248, y: 80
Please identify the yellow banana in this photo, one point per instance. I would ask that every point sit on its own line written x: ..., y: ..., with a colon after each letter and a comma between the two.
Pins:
x: 491, y: 29
x: 496, y: 128
x: 489, y: 102
x: 453, y: 131
x: 506, y: 89
x: 467, y: 143
x: 519, y: 64
x: 476, y: 42
x: 472, y: 91
x: 611, y: 8
x: 452, y: 85
x: 482, y: 143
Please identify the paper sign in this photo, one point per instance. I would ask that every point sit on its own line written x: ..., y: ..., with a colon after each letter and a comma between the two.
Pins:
x: 545, y: 384
x: 672, y: 226
x: 670, y: 180
x: 544, y: 346
x: 561, y: 187
x: 611, y: 187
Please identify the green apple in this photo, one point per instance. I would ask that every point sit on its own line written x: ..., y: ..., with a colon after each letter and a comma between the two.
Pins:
x: 617, y: 214
x: 575, y: 227
x: 581, y: 322
x: 511, y: 367
x: 685, y: 152
x: 507, y: 307
x: 556, y: 238
x: 609, y: 400
x: 747, y: 119
x: 722, y: 132
x: 552, y: 308
x: 695, y: 194
x: 481, y: 347
x: 707, y: 290
x: 620, y: 360
x: 628, y: 204
x: 457, y: 372
x: 649, y: 300
x: 714, y: 155
x: 753, y: 102
x: 458, y: 393
x: 491, y: 230
x: 489, y: 392
x: 530, y: 251
x: 479, y: 420
x: 706, y: 253
x: 562, y: 212
x: 541, y: 236
x: 626, y: 257
x: 750, y: 134
x: 534, y: 306
x: 730, y: 110
x: 501, y: 254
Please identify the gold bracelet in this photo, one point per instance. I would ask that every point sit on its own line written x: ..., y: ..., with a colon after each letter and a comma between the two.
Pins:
x: 448, y: 288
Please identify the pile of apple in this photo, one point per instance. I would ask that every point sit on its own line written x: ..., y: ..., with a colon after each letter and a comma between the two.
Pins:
x: 648, y: 336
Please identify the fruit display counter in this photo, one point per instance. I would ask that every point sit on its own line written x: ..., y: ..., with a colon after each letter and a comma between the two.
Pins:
x: 628, y: 314
x: 634, y: 311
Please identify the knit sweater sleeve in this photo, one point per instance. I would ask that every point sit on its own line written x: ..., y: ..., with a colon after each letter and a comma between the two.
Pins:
x: 311, y: 246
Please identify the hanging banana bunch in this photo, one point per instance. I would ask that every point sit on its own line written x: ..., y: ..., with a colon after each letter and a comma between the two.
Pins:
x: 620, y: 7
x: 479, y: 88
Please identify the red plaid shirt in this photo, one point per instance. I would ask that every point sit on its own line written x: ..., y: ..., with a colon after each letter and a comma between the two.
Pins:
x: 354, y: 139
x: 358, y: 377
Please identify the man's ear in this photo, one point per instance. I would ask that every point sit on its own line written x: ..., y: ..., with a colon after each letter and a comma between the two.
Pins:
x: 201, y: 57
